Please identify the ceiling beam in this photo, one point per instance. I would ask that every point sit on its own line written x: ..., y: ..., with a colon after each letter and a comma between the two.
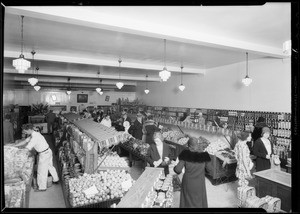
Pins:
x: 87, y: 18
x: 105, y: 62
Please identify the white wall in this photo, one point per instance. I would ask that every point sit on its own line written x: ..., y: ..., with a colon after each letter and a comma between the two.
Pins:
x: 221, y: 88
x: 28, y: 97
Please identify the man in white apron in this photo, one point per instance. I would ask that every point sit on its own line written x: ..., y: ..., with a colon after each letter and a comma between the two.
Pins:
x: 45, y: 158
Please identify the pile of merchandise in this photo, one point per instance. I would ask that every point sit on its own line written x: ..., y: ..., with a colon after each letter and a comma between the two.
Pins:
x: 137, y: 145
x: 18, y: 172
x: 99, y: 187
x: 162, y: 193
x: 112, y: 159
x: 216, y: 146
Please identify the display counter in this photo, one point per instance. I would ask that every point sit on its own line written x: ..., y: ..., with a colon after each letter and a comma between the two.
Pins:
x: 275, y: 183
x: 136, y: 196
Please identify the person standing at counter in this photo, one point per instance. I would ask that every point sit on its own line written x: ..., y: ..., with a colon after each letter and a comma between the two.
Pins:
x: 193, y: 188
x: 159, y: 153
x: 50, y: 118
x: 262, y: 149
x: 242, y: 155
x: 45, y: 158
x: 136, y: 128
x: 149, y: 129
x: 8, y: 130
x: 106, y: 121
x: 260, y: 123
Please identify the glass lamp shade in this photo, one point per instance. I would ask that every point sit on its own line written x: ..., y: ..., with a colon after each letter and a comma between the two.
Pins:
x: 147, y: 91
x: 100, y: 92
x: 69, y: 92
x: 21, y: 64
x: 33, y: 81
x: 37, y: 87
x: 181, y: 87
x: 119, y: 85
x: 165, y: 74
x: 247, y: 81
x: 98, y: 89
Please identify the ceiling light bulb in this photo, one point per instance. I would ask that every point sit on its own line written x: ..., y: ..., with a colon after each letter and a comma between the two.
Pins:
x: 119, y: 85
x: 98, y: 90
x: 21, y: 64
x: 165, y: 74
x: 33, y: 81
x: 181, y: 87
x: 247, y: 81
x: 69, y: 92
x: 54, y: 97
x: 37, y: 87
x: 147, y: 91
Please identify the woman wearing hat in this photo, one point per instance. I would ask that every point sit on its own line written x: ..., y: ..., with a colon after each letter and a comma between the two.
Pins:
x: 193, y: 188
x: 262, y: 149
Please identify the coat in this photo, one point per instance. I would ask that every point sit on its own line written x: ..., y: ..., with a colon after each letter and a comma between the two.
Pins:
x: 260, y: 151
x: 8, y: 132
x: 193, y: 188
x: 153, y: 155
x: 149, y: 129
x: 136, y: 130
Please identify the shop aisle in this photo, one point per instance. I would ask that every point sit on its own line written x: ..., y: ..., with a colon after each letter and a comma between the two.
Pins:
x: 53, y: 197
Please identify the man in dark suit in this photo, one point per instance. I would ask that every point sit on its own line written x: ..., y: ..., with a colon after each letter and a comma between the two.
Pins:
x: 50, y: 118
x: 136, y: 128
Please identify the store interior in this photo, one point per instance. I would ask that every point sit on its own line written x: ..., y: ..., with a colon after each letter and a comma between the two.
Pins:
x: 185, y: 66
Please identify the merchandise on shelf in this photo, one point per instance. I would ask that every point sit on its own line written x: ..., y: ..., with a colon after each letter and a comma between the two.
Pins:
x: 216, y: 146
x: 137, y: 145
x: 112, y: 160
x: 15, y: 194
x: 95, y: 188
x: 274, y: 204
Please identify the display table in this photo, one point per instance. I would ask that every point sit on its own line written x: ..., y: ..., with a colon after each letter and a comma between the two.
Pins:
x: 275, y: 183
x: 139, y: 191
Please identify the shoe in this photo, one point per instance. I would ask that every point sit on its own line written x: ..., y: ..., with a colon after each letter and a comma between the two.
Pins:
x: 40, y: 190
x: 56, y: 182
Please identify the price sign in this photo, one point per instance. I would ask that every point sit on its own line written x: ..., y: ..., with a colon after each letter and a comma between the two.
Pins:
x: 90, y: 192
x: 126, y: 185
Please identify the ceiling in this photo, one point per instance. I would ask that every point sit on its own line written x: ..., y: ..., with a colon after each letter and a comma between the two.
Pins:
x: 78, y: 42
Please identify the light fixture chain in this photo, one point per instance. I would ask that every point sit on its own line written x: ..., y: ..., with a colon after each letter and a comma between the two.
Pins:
x: 181, y: 74
x: 120, y: 68
x: 165, y: 51
x: 22, y: 40
x: 247, y: 62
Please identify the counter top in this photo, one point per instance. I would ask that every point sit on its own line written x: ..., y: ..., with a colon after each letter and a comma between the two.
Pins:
x: 276, y: 176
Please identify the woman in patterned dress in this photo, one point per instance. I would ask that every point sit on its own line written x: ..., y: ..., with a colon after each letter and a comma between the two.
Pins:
x: 242, y: 155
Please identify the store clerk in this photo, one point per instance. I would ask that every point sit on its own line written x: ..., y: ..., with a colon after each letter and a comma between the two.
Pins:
x: 45, y: 158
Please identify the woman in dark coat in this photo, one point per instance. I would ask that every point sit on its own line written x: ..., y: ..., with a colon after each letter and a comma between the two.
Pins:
x: 136, y: 128
x: 193, y: 189
x: 262, y: 149
x: 159, y: 153
x: 149, y: 129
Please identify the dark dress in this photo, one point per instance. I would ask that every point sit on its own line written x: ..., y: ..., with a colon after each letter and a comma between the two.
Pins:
x: 150, y: 128
x: 260, y: 151
x: 136, y: 130
x: 153, y: 155
x: 193, y: 189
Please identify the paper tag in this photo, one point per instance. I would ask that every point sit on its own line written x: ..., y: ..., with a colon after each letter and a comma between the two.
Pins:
x: 126, y: 185
x: 90, y: 191
x: 160, y: 126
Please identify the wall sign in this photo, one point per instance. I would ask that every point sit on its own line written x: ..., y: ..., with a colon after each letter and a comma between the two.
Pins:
x: 107, y: 98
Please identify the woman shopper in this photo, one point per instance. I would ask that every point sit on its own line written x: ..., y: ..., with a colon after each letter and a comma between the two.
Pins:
x: 45, y: 158
x: 193, y: 189
x: 262, y: 149
x: 242, y: 155
x: 158, y: 154
x: 106, y: 121
x: 149, y: 128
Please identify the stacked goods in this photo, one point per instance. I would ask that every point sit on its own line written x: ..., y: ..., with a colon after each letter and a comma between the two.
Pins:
x: 172, y: 135
x: 216, y: 146
x: 227, y: 155
x: 162, y: 193
x: 274, y: 204
x: 204, y: 142
x: 244, y: 193
x: 183, y: 141
x: 112, y: 160
x: 14, y: 194
x: 256, y: 202
x: 137, y: 145
x: 95, y: 188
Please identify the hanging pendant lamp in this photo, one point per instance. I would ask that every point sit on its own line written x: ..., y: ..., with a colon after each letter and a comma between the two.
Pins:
x: 21, y: 64
x: 181, y: 87
x: 99, y: 88
x: 165, y: 74
x: 69, y: 88
x: 147, y: 90
x: 119, y: 84
x: 33, y: 80
x: 37, y: 87
x: 247, y: 80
